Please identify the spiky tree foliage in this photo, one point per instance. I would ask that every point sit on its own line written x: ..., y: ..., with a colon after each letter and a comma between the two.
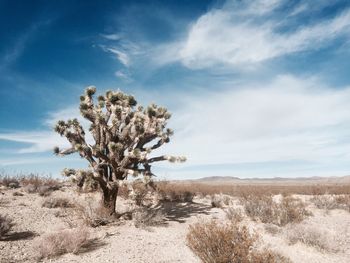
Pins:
x: 124, y: 135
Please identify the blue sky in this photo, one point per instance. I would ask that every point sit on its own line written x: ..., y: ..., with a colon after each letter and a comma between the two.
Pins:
x: 257, y: 88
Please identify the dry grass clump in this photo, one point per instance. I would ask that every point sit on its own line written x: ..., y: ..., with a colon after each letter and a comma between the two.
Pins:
x: 329, y: 202
x: 174, y: 192
x: 91, y: 215
x: 144, y: 217
x: 32, y: 182
x: 265, y: 209
x: 57, y: 203
x: 220, y: 200
x: 9, y: 181
x: 215, y: 242
x: 234, y: 214
x: 44, y: 186
x: 6, y: 225
x: 61, y: 242
x: 311, y: 236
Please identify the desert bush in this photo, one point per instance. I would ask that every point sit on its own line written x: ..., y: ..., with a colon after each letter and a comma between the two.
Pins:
x: 139, y: 192
x: 174, y: 192
x: 10, y: 181
x: 144, y: 217
x: 264, y: 208
x: 234, y: 214
x: 56, y: 202
x: 36, y: 180
x: 44, y: 186
x: 311, y: 236
x: 6, y: 225
x: 220, y: 200
x: 93, y: 215
x: 61, y: 242
x: 329, y: 202
x: 215, y: 242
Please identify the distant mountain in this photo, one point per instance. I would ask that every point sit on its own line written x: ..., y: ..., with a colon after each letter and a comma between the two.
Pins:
x: 217, y: 178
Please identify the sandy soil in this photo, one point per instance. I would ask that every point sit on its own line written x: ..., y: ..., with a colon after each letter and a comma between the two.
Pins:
x: 123, y: 242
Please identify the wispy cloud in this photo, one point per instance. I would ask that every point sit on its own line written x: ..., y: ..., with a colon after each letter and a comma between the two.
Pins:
x: 288, y: 118
x: 41, y: 141
x: 239, y: 37
x: 18, y: 47
x: 122, y: 56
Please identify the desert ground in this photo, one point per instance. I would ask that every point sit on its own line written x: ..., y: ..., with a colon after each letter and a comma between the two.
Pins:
x: 291, y: 221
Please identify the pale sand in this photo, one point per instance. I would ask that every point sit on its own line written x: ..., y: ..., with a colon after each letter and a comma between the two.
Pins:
x: 126, y: 243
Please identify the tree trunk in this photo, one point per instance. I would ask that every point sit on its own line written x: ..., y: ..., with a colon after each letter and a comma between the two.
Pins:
x: 109, y: 198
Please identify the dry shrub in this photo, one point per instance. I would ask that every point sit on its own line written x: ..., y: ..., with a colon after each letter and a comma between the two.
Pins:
x: 247, y: 189
x: 36, y: 181
x: 234, y: 214
x: 220, y: 200
x: 57, y: 203
x: 332, y: 202
x: 144, y: 217
x: 311, y: 236
x: 6, y: 225
x: 213, y: 242
x: 174, y: 192
x: 139, y: 193
x: 92, y: 215
x: 61, y: 242
x: 10, y: 181
x: 264, y: 208
x: 44, y: 186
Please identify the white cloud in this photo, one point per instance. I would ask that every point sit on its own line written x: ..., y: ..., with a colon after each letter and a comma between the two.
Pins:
x: 286, y: 119
x: 238, y: 37
x: 46, y: 140
x: 39, y: 141
x: 111, y: 36
x: 123, y: 75
x: 122, y: 56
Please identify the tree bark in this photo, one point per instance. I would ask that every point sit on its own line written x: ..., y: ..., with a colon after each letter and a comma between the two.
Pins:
x: 109, y: 198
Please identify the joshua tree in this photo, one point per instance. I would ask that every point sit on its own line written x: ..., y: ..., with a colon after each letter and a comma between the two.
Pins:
x: 124, y: 135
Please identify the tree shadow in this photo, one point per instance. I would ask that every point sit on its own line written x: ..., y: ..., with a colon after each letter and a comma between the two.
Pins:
x: 91, y: 245
x: 23, y: 235
x: 178, y: 211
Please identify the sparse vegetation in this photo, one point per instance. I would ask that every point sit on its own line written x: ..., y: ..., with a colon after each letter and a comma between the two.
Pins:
x: 244, y: 190
x: 234, y: 214
x: 329, y: 202
x: 61, y: 242
x: 215, y: 242
x: 174, y: 193
x: 265, y: 209
x: 311, y: 236
x: 220, y: 200
x: 144, y: 217
x: 6, y: 225
x: 30, y: 182
x: 92, y: 215
x: 56, y: 202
